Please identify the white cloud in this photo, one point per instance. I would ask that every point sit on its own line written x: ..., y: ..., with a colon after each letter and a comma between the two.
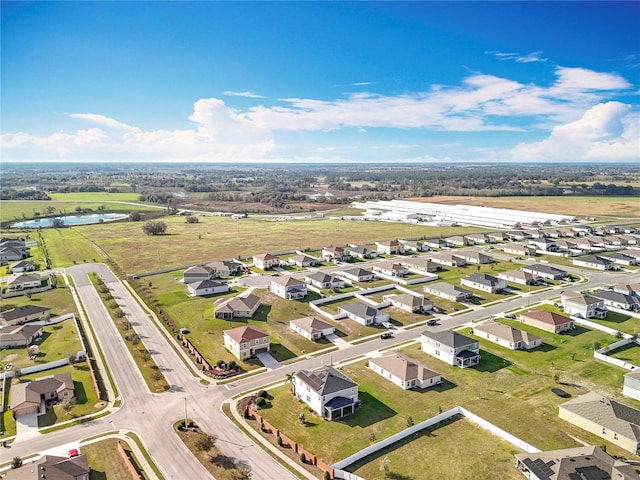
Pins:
x: 608, y: 131
x: 516, y: 57
x: 584, y: 79
x: 231, y: 93
x: 103, y: 121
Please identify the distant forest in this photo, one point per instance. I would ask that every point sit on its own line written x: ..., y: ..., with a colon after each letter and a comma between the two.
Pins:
x: 281, y: 187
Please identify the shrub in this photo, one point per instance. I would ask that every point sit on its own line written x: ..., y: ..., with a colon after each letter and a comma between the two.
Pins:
x: 279, y: 441
x: 261, y: 402
x: 247, y: 415
x: 263, y: 394
x: 154, y: 227
x: 303, y: 458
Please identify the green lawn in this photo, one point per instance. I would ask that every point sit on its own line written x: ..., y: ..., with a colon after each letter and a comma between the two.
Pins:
x: 59, y: 299
x: 620, y: 322
x: 629, y: 353
x: 105, y: 461
x: 471, y: 453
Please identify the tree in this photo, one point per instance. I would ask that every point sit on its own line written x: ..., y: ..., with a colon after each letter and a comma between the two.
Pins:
x: 16, y: 462
x: 410, y: 422
x: 384, y: 466
x: 301, y: 419
x: 205, y: 442
x: 57, y: 223
x: 67, y: 404
x: 192, y: 219
x: 135, y: 216
x: 596, y: 345
x: 241, y: 473
x: 289, y: 377
x: 154, y: 227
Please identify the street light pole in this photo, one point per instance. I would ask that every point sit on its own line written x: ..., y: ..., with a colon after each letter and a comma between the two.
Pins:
x: 185, y: 412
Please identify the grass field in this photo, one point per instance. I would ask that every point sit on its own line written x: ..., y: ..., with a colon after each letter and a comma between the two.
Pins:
x: 105, y: 461
x: 471, y: 454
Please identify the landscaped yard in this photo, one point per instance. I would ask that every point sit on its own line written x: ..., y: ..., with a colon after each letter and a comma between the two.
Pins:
x: 630, y: 353
x: 105, y: 461
x: 620, y: 322
x: 471, y: 453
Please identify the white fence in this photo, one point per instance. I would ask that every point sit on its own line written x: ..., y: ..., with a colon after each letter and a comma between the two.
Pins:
x: 482, y: 423
x: 36, y: 368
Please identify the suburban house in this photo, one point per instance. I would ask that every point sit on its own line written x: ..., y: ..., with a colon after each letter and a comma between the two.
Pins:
x: 544, y: 244
x: 578, y: 463
x: 458, y: 241
x: 327, y: 392
x: 324, y: 280
x: 265, y: 261
x: 311, y: 328
x: 420, y: 264
x: 288, y: 287
x: 519, y: 249
x: 403, y: 371
x: 27, y: 313
x: 484, y: 282
x: 631, y: 386
x: 520, y: 277
x: 475, y: 257
x: 622, y: 259
x: 518, y: 235
x: 589, y: 244
x: 302, y: 260
x: 548, y: 321
x: 362, y: 313
x: 594, y: 261
x: 451, y: 347
x: 481, y: 238
x: 435, y: 243
x: 244, y: 342
x: 414, y: 246
x: 632, y: 252
x: 627, y: 288
x: 52, y: 467
x: 359, y: 275
x: 390, y: 247
x: 567, y: 246
x: 19, y: 336
x: 28, y: 397
x: 226, y: 268
x: 361, y: 252
x: 497, y: 236
x: 449, y: 259
x: 391, y: 269
x: 8, y: 254
x: 206, y: 287
x: 447, y: 291
x: 337, y: 254
x: 507, y: 336
x: 22, y: 266
x: 198, y: 273
x: 583, y: 306
x: 545, y: 271
x: 409, y: 302
x: 617, y: 300
x: 606, y: 418
x: 24, y: 281
x: 236, y: 307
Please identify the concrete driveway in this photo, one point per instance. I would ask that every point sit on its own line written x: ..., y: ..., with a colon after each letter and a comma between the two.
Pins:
x: 27, y: 424
x: 268, y: 361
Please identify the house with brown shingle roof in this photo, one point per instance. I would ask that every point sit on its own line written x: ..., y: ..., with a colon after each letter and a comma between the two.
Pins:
x: 265, y: 261
x: 52, y: 467
x: 236, y: 307
x: 548, y: 321
x: 606, y: 418
x: 27, y: 397
x: 24, y: 314
x: 311, y: 328
x: 409, y: 302
x: 19, y: 335
x: 520, y: 277
x: 507, y: 336
x: 245, y: 342
x: 403, y: 371
x: 390, y: 247
x: 391, y: 269
x: 288, y: 287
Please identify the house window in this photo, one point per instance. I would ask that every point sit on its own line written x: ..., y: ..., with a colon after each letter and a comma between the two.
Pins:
x: 438, y: 352
x: 604, y: 431
x: 615, y: 436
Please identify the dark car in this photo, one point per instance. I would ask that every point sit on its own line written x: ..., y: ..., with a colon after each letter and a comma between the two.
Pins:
x: 510, y: 315
x: 431, y: 323
x: 386, y: 335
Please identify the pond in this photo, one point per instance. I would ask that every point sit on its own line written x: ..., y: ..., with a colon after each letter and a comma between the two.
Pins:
x: 71, y: 220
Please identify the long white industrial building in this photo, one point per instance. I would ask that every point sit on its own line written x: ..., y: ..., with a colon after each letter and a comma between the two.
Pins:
x: 406, y: 211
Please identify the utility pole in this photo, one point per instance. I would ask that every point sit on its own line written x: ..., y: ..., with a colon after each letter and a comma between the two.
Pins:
x: 185, y: 412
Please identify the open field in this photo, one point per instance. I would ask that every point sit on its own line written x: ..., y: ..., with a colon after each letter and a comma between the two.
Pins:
x: 94, y: 197
x: 471, y: 454
x: 105, y: 461
x: 589, y: 206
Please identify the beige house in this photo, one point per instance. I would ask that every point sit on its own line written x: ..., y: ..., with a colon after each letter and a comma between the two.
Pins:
x: 391, y: 269
x: 519, y: 277
x: 409, y: 302
x: 245, y: 342
x: 606, y: 418
x: 403, y: 371
x: 288, y: 287
x: 52, y: 467
x: 548, y: 321
x: 24, y: 281
x: 507, y: 336
x: 19, y: 336
x: 390, y: 247
x: 311, y: 328
x: 265, y: 261
x: 302, y: 260
x: 27, y: 397
x: 27, y: 313
x: 236, y: 307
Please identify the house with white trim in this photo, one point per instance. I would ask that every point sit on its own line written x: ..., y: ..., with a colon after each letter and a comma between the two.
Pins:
x: 519, y: 249
x: 391, y: 269
x: 22, y: 266
x: 266, y: 261
x: 449, y: 259
x: 519, y: 277
x: 328, y: 392
x: 311, y: 328
x: 403, y: 371
x: 363, y: 314
x: 414, y: 246
x: 358, y: 274
x: 451, y: 347
x: 631, y: 386
x: 420, y: 264
x: 337, y: 254
x: 507, y: 336
x: 475, y: 257
x: 304, y: 261
x: 583, y: 306
x: 615, y: 299
x: 593, y: 261
x: 198, y: 273
x: 409, y: 302
x: 24, y: 314
x: 206, y: 287
x: 324, y: 280
x: 246, y: 341
x: 485, y: 282
x: 390, y: 247
x: 548, y: 321
x: 288, y: 287
x: 236, y: 307
x: 24, y: 281
x: 447, y: 291
x: 545, y: 271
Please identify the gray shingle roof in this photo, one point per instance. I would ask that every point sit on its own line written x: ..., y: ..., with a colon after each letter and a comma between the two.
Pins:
x: 326, y: 381
x: 450, y: 338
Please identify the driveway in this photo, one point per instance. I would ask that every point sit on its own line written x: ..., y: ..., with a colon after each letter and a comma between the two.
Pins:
x: 336, y: 340
x: 268, y: 361
x: 27, y: 424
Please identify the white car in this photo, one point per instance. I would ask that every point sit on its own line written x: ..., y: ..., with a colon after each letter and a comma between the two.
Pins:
x: 388, y: 325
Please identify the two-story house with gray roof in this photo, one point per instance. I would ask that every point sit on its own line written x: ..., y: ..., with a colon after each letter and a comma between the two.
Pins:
x: 451, y: 347
x: 328, y: 392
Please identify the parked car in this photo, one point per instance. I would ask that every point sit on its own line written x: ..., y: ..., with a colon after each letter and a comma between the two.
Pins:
x: 432, y: 322
x: 388, y: 325
x: 510, y: 315
x: 385, y: 335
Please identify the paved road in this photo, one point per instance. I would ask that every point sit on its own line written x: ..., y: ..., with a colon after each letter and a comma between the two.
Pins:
x: 152, y: 415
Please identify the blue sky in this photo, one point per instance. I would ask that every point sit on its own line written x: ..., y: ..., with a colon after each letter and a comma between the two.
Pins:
x: 320, y: 81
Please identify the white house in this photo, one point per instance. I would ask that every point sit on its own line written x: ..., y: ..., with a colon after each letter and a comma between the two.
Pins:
x: 409, y: 302
x: 391, y: 269
x: 484, y: 282
x: 198, y: 273
x: 363, y: 314
x: 507, y: 336
x: 404, y: 372
x: 449, y: 259
x: 451, y: 347
x: 22, y: 266
x: 245, y: 342
x: 288, y: 287
x: 337, y: 254
x: 593, y: 261
x: 631, y: 387
x: 545, y: 271
x: 328, y: 392
x: 390, y: 247
x: 266, y: 261
x: 359, y: 275
x: 474, y: 257
x: 323, y: 280
x: 311, y: 328
x: 206, y: 287
x: 414, y: 246
x: 584, y: 306
x: 520, y: 277
x: 447, y: 291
